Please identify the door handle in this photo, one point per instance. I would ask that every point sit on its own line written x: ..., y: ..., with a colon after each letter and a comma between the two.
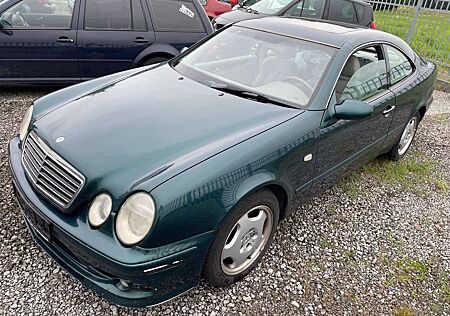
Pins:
x: 64, y: 39
x: 141, y: 40
x: 388, y: 110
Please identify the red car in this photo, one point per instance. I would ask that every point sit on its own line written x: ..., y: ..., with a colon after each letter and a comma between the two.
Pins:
x: 214, y: 8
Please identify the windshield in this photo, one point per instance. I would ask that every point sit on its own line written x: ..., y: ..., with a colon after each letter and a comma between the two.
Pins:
x: 269, y: 6
x: 282, y: 68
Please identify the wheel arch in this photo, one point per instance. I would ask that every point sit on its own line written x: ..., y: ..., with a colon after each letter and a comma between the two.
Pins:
x: 155, y: 50
x: 266, y: 181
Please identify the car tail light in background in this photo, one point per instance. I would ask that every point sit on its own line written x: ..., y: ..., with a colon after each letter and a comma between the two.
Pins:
x: 372, y: 25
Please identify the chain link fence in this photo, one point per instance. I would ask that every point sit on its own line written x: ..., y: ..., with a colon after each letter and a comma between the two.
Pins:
x: 424, y: 24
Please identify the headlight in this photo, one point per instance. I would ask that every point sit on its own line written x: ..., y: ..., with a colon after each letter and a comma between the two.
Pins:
x: 135, y: 218
x: 99, y: 210
x: 25, y: 123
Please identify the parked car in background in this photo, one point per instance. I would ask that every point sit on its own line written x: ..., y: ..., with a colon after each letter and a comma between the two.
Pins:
x: 67, y: 41
x: 142, y: 182
x: 347, y: 11
x: 215, y: 8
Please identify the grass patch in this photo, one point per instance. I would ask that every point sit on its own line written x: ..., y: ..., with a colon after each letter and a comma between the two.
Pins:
x: 441, y: 117
x: 403, y: 311
x: 410, y: 172
x: 442, y: 185
x: 349, y: 185
x: 429, y: 35
x: 445, y: 288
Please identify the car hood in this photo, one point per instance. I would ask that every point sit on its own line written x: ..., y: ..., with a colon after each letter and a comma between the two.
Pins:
x: 137, y: 132
x: 236, y: 16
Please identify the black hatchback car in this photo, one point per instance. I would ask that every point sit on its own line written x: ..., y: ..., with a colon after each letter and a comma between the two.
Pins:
x: 347, y: 11
x: 66, y: 41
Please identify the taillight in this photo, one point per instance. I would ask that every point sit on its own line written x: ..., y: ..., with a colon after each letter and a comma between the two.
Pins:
x: 372, y: 25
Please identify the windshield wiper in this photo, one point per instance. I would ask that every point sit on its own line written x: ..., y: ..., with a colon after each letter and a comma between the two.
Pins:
x: 248, y: 94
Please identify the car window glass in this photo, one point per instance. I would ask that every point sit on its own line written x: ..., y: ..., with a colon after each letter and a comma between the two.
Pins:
x: 359, y: 11
x: 269, y: 6
x: 107, y: 15
x: 281, y: 67
x: 138, y: 16
x: 399, y: 65
x: 174, y: 15
x: 313, y: 9
x: 203, y: 2
x: 341, y: 11
x: 295, y: 10
x: 38, y: 14
x: 363, y: 76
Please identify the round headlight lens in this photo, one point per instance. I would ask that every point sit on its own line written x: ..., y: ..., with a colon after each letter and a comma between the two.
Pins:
x: 25, y: 123
x: 100, y: 210
x: 135, y: 218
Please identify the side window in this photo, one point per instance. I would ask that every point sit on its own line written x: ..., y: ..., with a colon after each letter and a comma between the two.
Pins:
x: 176, y: 15
x: 203, y: 2
x: 342, y: 11
x: 114, y: 15
x: 307, y: 9
x: 138, y: 16
x: 38, y: 14
x: 363, y: 76
x: 400, y: 66
x: 360, y: 9
x: 295, y: 10
x: 107, y: 15
x: 313, y: 9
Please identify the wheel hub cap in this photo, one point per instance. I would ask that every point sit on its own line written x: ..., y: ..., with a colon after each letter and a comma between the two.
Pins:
x: 407, y: 136
x: 246, y: 240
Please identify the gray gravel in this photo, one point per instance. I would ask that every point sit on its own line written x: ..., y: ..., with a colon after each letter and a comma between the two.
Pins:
x: 367, y: 247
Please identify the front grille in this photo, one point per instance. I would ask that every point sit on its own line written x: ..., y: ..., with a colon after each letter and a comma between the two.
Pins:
x: 50, y: 174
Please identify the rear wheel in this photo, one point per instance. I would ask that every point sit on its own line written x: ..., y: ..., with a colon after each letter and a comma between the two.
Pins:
x: 154, y: 60
x: 404, y: 143
x: 243, y: 238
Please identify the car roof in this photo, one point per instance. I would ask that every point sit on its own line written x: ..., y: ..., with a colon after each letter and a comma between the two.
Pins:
x: 326, y: 32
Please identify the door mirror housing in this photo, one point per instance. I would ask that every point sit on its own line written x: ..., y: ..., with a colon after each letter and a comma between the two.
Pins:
x: 352, y: 110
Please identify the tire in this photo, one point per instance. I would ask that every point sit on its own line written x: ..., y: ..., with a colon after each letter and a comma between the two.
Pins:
x: 154, y: 60
x: 220, y: 269
x: 404, y: 142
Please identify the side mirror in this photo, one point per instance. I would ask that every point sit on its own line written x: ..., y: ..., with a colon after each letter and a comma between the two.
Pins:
x: 184, y: 49
x: 352, y: 110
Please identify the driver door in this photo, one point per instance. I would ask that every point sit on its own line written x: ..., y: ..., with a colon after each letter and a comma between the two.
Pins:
x: 38, y: 41
x: 347, y: 144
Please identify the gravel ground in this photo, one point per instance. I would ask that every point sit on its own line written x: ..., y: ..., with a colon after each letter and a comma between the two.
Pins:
x: 373, y: 245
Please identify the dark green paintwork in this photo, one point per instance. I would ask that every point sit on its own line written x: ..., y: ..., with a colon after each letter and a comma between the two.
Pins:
x: 198, y: 152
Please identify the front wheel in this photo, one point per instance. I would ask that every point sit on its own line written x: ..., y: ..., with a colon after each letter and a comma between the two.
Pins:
x: 404, y: 143
x: 243, y: 238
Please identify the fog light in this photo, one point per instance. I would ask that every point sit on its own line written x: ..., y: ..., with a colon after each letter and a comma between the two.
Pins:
x: 123, y: 285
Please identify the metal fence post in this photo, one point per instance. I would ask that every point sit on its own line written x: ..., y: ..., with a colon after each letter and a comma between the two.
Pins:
x: 413, y: 23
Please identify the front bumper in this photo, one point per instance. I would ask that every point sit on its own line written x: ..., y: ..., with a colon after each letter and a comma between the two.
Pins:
x: 156, y: 275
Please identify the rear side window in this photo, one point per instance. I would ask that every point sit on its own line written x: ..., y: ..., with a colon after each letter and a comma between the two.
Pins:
x: 307, y: 9
x: 118, y: 15
x: 342, y: 11
x: 399, y: 64
x: 359, y: 12
x: 176, y: 15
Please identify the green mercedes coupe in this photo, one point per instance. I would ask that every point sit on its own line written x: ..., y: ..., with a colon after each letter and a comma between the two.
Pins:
x: 141, y: 183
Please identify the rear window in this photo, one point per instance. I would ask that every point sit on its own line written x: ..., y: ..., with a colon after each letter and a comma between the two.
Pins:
x: 176, y: 15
